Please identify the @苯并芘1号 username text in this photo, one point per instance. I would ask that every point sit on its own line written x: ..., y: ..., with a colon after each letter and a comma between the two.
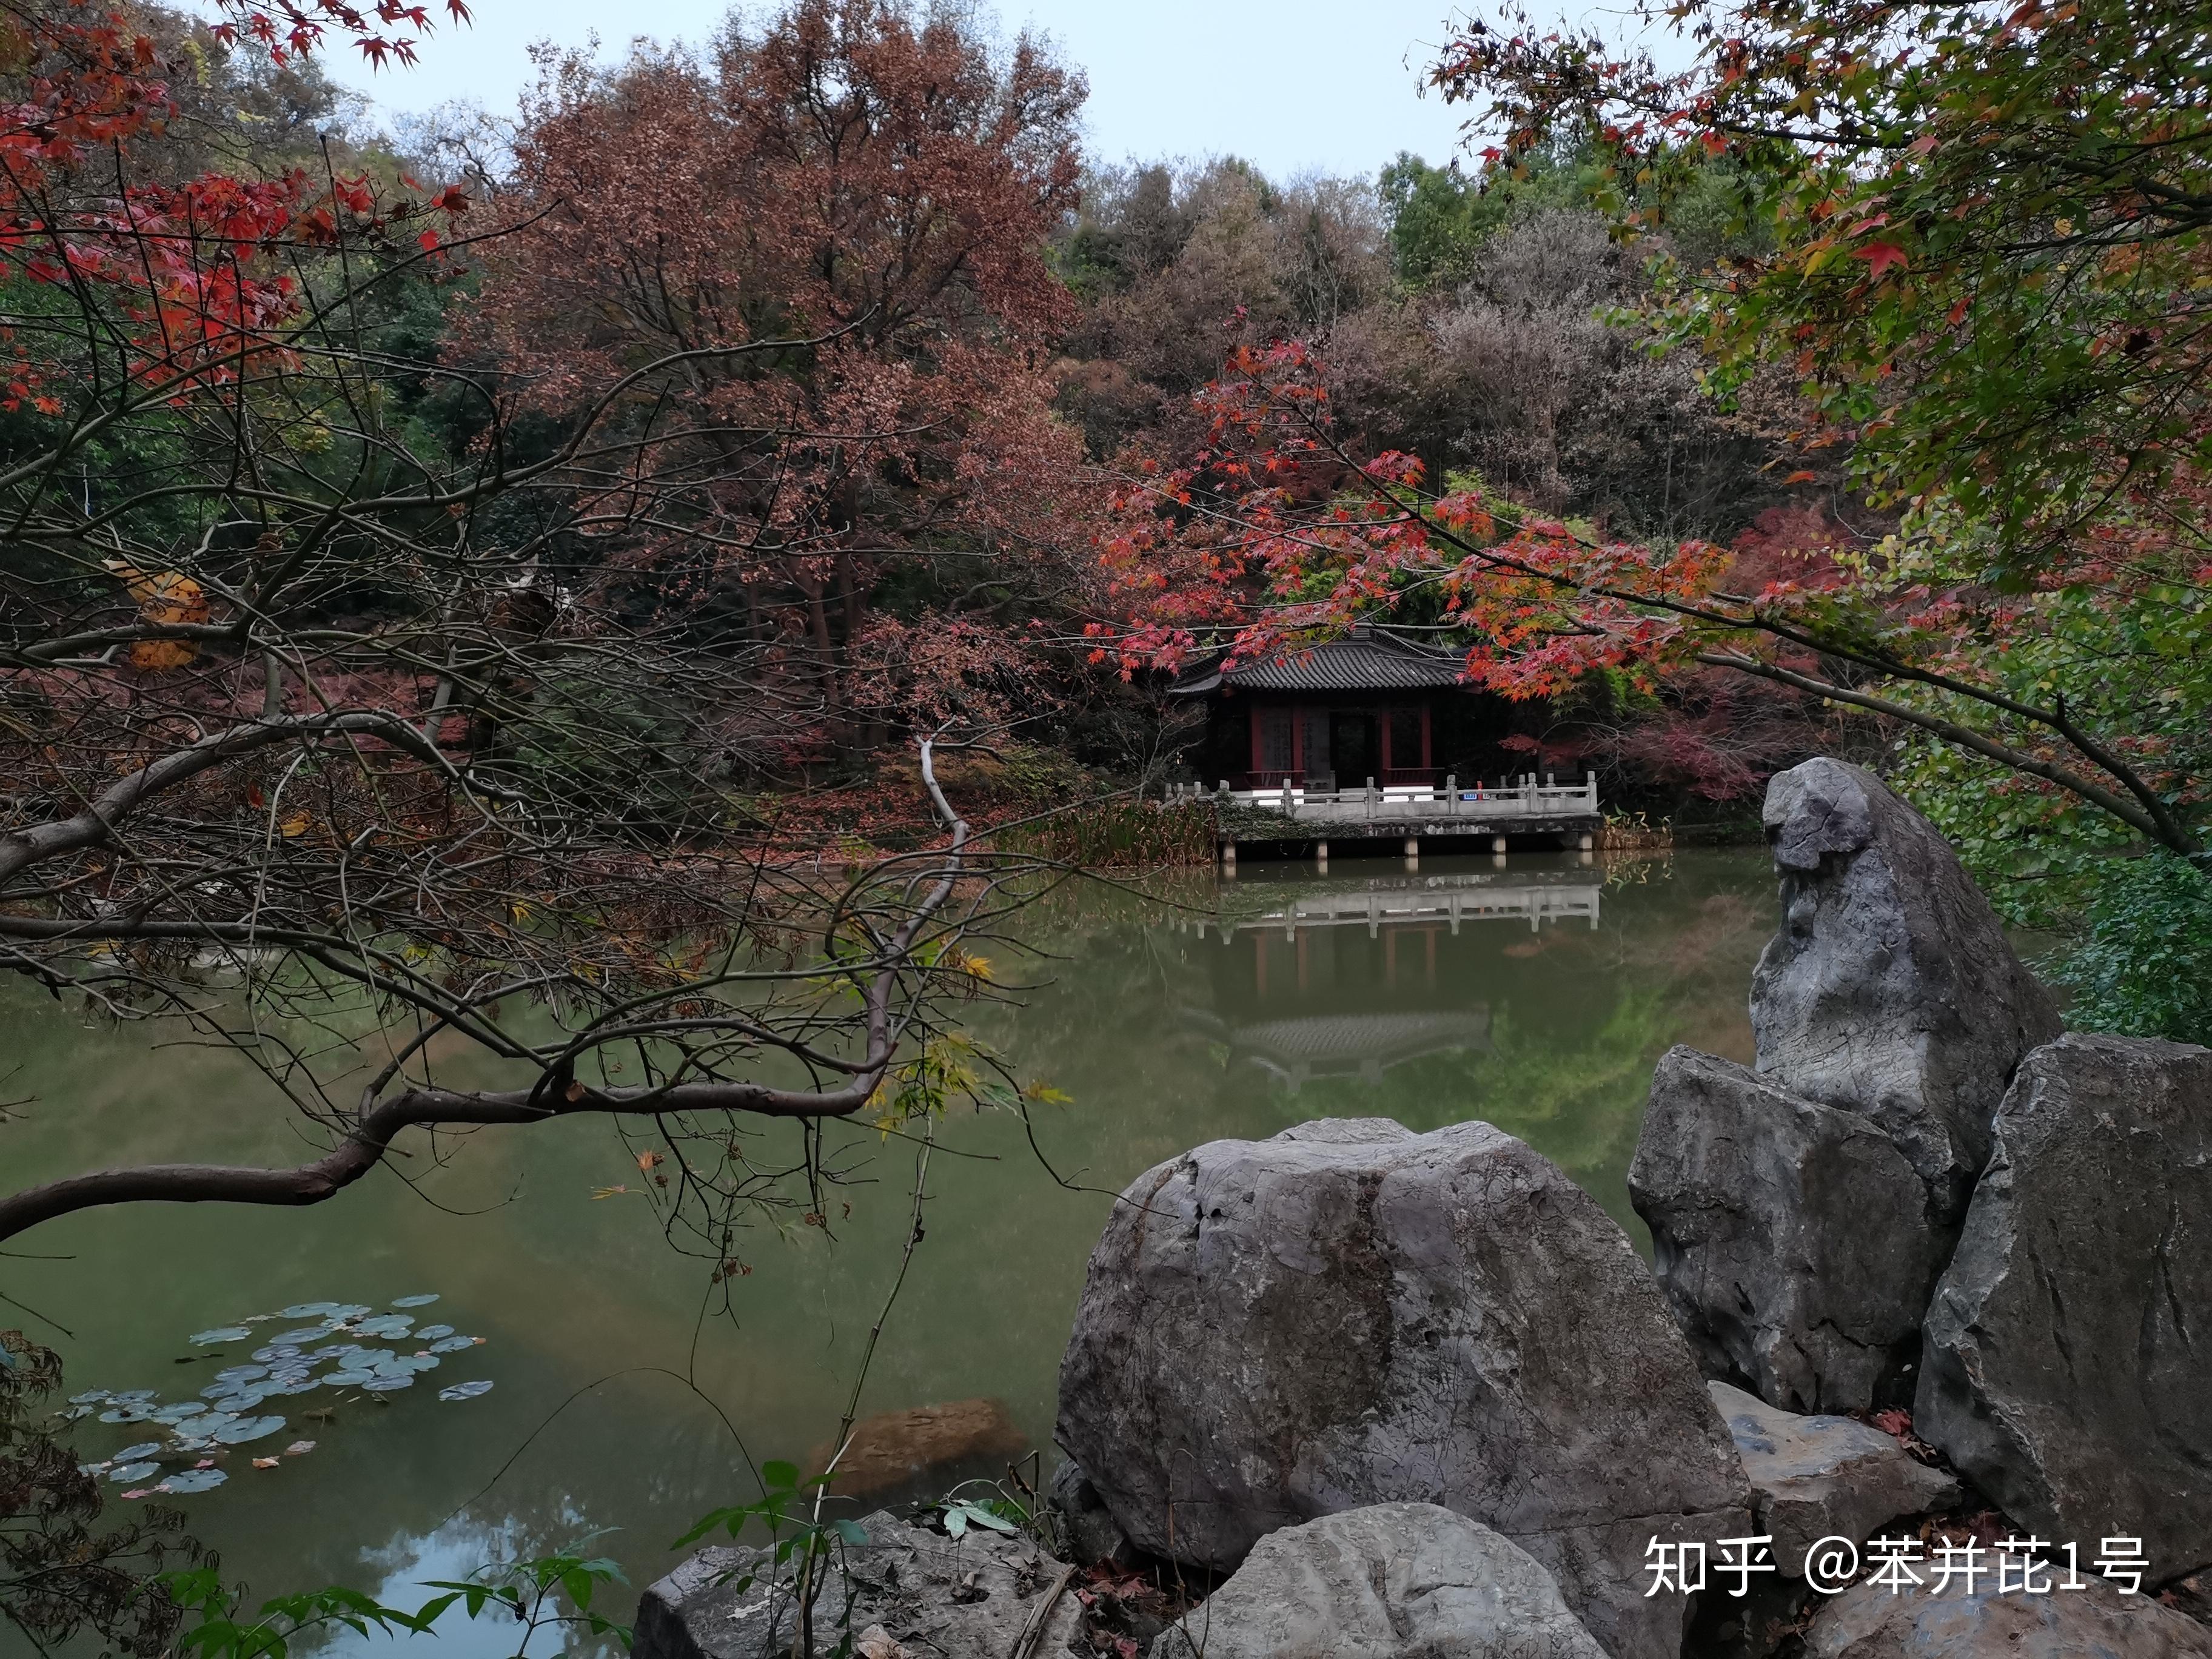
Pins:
x: 2013, y: 1566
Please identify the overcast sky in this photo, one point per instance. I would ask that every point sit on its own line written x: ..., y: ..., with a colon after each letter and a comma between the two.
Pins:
x: 1292, y: 85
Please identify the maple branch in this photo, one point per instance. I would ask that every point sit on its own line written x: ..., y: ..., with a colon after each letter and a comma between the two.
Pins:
x: 557, y: 1094
x: 2168, y: 834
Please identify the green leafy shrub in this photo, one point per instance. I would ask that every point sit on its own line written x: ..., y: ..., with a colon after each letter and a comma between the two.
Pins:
x: 2145, y: 967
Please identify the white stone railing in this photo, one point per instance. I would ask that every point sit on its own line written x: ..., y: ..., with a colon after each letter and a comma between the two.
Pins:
x: 1522, y: 797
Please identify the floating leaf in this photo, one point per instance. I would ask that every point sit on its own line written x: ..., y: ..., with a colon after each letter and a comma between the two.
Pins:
x: 388, y: 1384
x: 191, y: 1480
x: 178, y: 1411
x: 348, y: 1310
x: 350, y: 1379
x: 276, y: 1350
x: 299, y: 1448
x: 306, y: 1334
x: 241, y: 1373
x: 298, y: 1385
x: 309, y: 1310
x: 135, y: 1472
x: 143, y: 1492
x: 386, y: 1325
x: 92, y: 1397
x: 432, y: 1333
x: 221, y: 1333
x: 126, y: 1414
x: 412, y: 1300
x: 464, y: 1390
x: 132, y: 1396
x: 454, y: 1344
x: 266, y: 1463
x: 251, y: 1428
x: 132, y: 1453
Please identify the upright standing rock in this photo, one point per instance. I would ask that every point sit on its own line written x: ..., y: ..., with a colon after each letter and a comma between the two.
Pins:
x: 1799, y: 1217
x: 1890, y: 989
x: 2069, y: 1346
x: 1351, y: 1313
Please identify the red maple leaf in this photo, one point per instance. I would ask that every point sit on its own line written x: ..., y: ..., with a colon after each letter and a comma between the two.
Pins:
x: 1880, y: 256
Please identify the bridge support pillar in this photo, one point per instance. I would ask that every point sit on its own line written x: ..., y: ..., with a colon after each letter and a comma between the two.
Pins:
x: 1321, y: 856
x: 1413, y: 851
x: 1588, y: 841
x: 1227, y: 858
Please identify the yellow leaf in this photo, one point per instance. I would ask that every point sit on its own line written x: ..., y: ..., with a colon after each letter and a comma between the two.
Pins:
x: 296, y: 825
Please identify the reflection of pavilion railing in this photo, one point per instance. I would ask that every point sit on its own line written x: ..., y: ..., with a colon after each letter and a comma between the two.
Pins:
x: 1440, y: 901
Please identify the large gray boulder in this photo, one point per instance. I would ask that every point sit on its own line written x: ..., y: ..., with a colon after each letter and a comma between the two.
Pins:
x: 1394, y: 1581
x: 1350, y: 1314
x: 1871, y: 1621
x: 1793, y: 1240
x: 1890, y: 989
x: 1825, y: 1477
x: 926, y: 1593
x: 2063, y: 1374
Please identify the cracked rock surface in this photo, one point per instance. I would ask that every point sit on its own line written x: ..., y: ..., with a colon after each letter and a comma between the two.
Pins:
x: 1792, y: 1239
x: 1825, y: 1477
x: 1870, y: 1622
x: 1350, y: 1314
x: 2068, y: 1371
x: 1890, y: 989
x: 920, y: 1587
x: 1394, y: 1581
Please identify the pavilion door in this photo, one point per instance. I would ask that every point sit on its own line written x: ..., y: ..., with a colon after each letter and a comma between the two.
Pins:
x: 1354, y: 749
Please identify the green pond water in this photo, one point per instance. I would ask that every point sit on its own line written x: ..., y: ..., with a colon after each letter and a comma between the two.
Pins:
x: 1536, y: 996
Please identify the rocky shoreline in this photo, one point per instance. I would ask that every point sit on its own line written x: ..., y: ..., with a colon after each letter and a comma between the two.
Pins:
x: 1919, y: 1336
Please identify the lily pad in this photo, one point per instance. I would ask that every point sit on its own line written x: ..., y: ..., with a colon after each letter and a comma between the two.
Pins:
x: 413, y: 1301
x: 466, y: 1390
x: 251, y: 1428
x: 241, y: 1373
x: 309, y: 1310
x: 386, y: 1325
x: 220, y: 1333
x: 131, y: 1471
x: 297, y: 1385
x: 351, y: 1379
x: 178, y: 1411
x: 193, y: 1480
x: 276, y: 1350
x: 126, y: 1414
x: 389, y: 1384
x: 305, y: 1333
x: 132, y: 1396
x: 349, y: 1310
x: 452, y: 1344
x: 144, y: 1449
x: 90, y: 1397
x: 432, y: 1333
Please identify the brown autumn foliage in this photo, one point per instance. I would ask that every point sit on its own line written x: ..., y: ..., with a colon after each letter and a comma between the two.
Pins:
x: 873, y: 184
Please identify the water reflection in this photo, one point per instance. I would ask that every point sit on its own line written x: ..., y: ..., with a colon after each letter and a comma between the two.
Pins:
x: 1536, y: 997
x: 1287, y: 993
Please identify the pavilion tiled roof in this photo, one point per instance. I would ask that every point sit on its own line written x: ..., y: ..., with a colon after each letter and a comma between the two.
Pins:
x: 1372, y: 661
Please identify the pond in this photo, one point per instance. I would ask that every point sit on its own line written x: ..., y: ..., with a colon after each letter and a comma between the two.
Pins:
x: 1536, y: 995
